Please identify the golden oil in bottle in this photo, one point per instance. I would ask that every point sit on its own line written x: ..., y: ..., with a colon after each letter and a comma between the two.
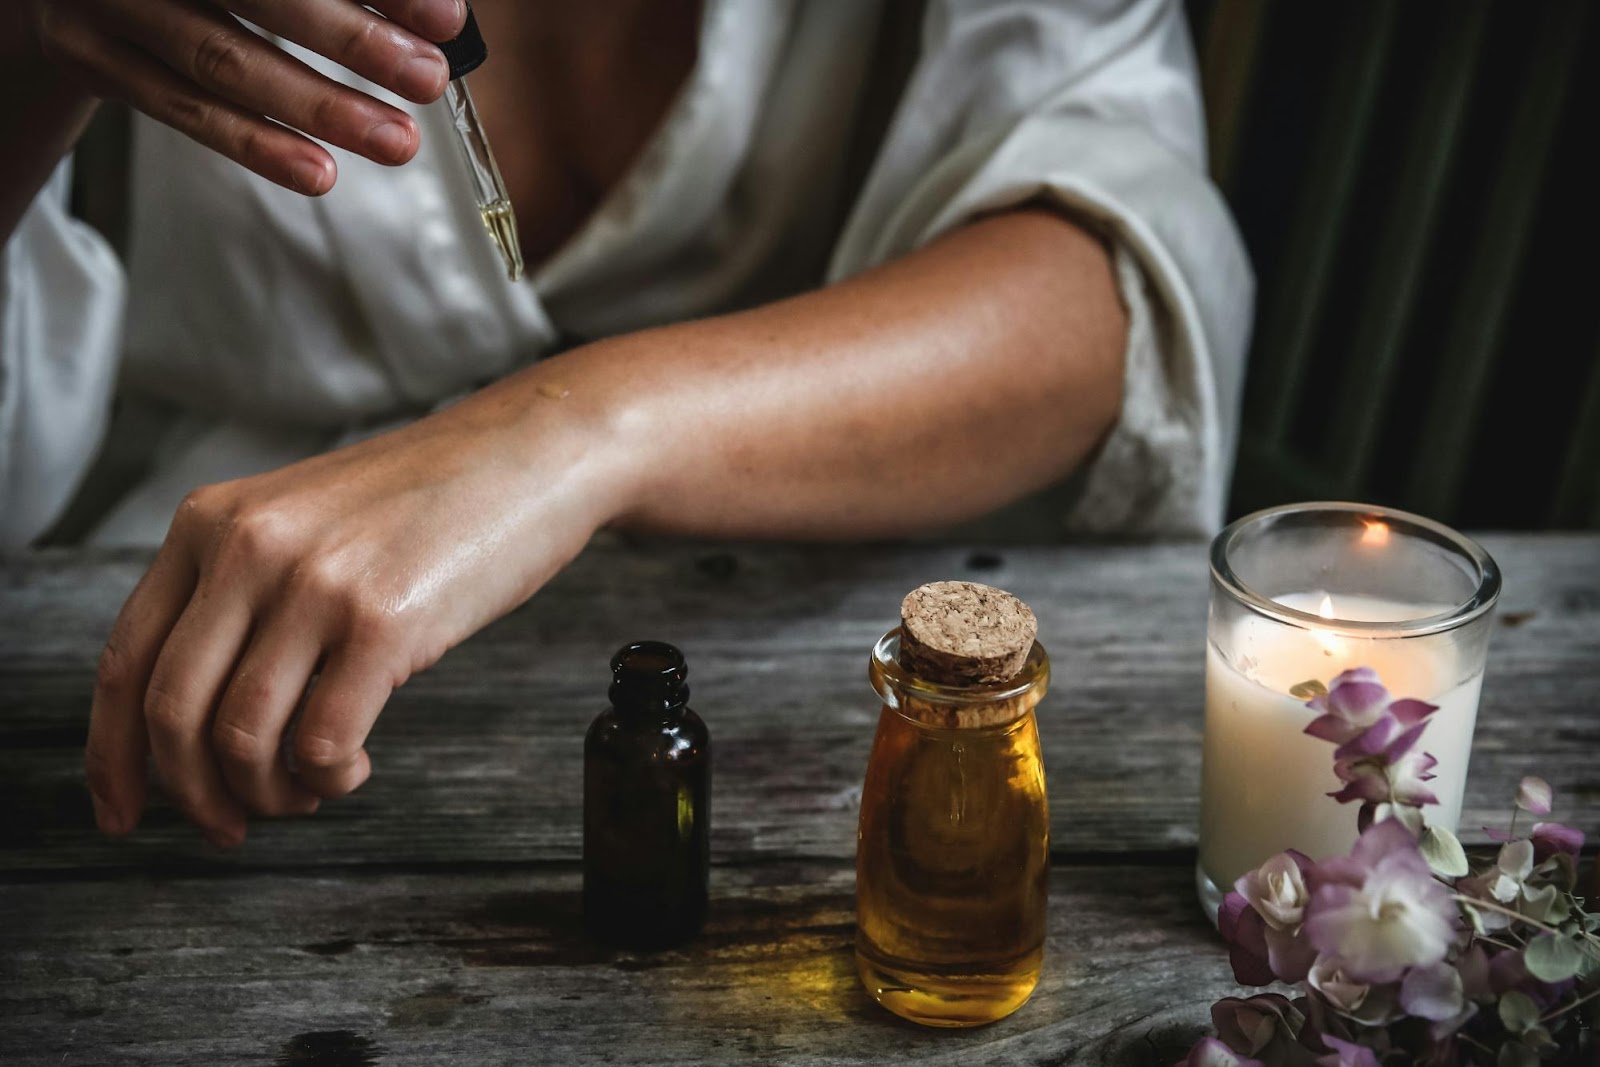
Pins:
x: 953, y: 853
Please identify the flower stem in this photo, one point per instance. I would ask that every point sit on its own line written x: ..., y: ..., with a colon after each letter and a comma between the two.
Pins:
x: 1491, y: 906
x: 1568, y: 1007
x: 1496, y: 941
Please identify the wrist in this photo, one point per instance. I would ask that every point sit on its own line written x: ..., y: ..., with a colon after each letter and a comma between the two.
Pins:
x: 578, y: 416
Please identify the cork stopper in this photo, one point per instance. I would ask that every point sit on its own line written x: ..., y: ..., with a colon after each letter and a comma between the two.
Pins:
x: 963, y: 633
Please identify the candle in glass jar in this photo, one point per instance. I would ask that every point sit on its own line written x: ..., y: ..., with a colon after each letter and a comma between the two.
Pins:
x: 1264, y: 781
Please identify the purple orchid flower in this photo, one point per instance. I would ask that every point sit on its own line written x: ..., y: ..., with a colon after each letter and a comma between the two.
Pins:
x: 1276, y: 892
x: 1258, y: 1025
x: 1355, y: 703
x: 1435, y: 993
x: 1369, y: 1005
x: 1379, y: 910
x: 1245, y: 932
x: 1387, y: 964
x: 1550, y: 838
x: 1535, y: 795
x: 1379, y: 765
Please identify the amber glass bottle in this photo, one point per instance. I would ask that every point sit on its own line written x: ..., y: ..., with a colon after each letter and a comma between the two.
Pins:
x: 953, y: 854
x: 646, y: 805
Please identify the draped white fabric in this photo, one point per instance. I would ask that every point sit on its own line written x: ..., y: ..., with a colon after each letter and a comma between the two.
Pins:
x: 276, y: 326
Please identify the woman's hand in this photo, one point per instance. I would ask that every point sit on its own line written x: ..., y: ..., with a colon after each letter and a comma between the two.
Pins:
x: 361, y: 567
x: 193, y: 65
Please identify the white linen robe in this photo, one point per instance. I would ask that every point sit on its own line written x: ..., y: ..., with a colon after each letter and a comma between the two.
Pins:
x: 265, y: 326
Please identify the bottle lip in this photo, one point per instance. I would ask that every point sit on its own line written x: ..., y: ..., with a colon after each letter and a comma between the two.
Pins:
x: 1483, y: 570
x: 648, y: 677
x: 893, y: 682
x: 648, y: 661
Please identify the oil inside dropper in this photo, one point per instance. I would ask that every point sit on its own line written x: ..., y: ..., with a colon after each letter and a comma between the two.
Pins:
x: 465, y: 53
x: 501, y: 223
x: 489, y: 189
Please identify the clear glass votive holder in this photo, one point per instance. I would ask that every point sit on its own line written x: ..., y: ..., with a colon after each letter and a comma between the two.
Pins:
x: 1301, y: 593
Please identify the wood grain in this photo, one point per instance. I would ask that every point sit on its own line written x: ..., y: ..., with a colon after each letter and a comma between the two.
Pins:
x: 478, y: 759
x: 492, y: 969
x: 433, y: 917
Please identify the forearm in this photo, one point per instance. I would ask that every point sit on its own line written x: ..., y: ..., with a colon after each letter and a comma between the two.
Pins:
x: 42, y: 119
x: 927, y: 391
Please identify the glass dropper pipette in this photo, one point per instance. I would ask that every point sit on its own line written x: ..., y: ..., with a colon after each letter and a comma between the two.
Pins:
x: 465, y: 54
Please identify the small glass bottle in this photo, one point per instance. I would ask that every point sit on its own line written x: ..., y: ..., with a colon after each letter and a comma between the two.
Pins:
x: 953, y: 853
x: 646, y: 805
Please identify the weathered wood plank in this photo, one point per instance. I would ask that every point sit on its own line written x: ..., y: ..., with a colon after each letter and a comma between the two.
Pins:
x: 491, y: 969
x: 478, y: 759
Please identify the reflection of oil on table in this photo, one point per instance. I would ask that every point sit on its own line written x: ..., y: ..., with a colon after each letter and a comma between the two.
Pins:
x: 433, y: 917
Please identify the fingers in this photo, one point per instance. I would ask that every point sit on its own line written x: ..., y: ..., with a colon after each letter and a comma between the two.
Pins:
x: 185, y: 685
x: 397, y: 55
x: 114, y: 758
x: 436, y: 20
x: 260, y: 700
x: 229, y: 62
x: 277, y: 154
x: 344, y: 703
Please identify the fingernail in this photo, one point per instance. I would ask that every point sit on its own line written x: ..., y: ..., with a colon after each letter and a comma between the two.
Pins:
x: 422, y: 77
x: 389, y: 140
x: 310, y: 176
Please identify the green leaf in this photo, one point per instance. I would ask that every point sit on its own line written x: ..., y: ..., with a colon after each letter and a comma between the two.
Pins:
x: 1516, y: 1054
x: 1539, y: 1039
x: 1559, y: 870
x: 1566, y: 866
x: 1474, y: 917
x: 1518, y: 1012
x: 1308, y: 689
x: 1550, y: 958
x: 1544, y: 904
x: 1443, y: 852
x: 1591, y: 956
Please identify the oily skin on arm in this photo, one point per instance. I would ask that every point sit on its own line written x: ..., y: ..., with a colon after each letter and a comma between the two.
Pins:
x: 925, y: 391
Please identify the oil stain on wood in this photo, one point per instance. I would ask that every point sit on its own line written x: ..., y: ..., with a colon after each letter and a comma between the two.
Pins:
x: 328, y: 1048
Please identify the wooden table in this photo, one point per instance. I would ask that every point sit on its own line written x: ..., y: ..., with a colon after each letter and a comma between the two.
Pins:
x: 433, y: 916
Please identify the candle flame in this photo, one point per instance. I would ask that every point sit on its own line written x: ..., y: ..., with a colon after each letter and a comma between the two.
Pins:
x: 1376, y: 532
x: 1331, y: 645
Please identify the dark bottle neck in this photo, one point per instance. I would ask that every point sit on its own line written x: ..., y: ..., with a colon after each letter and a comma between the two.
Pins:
x: 649, y: 709
x: 649, y: 681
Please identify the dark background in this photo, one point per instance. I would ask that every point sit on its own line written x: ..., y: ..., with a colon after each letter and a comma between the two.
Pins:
x: 1416, y: 183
